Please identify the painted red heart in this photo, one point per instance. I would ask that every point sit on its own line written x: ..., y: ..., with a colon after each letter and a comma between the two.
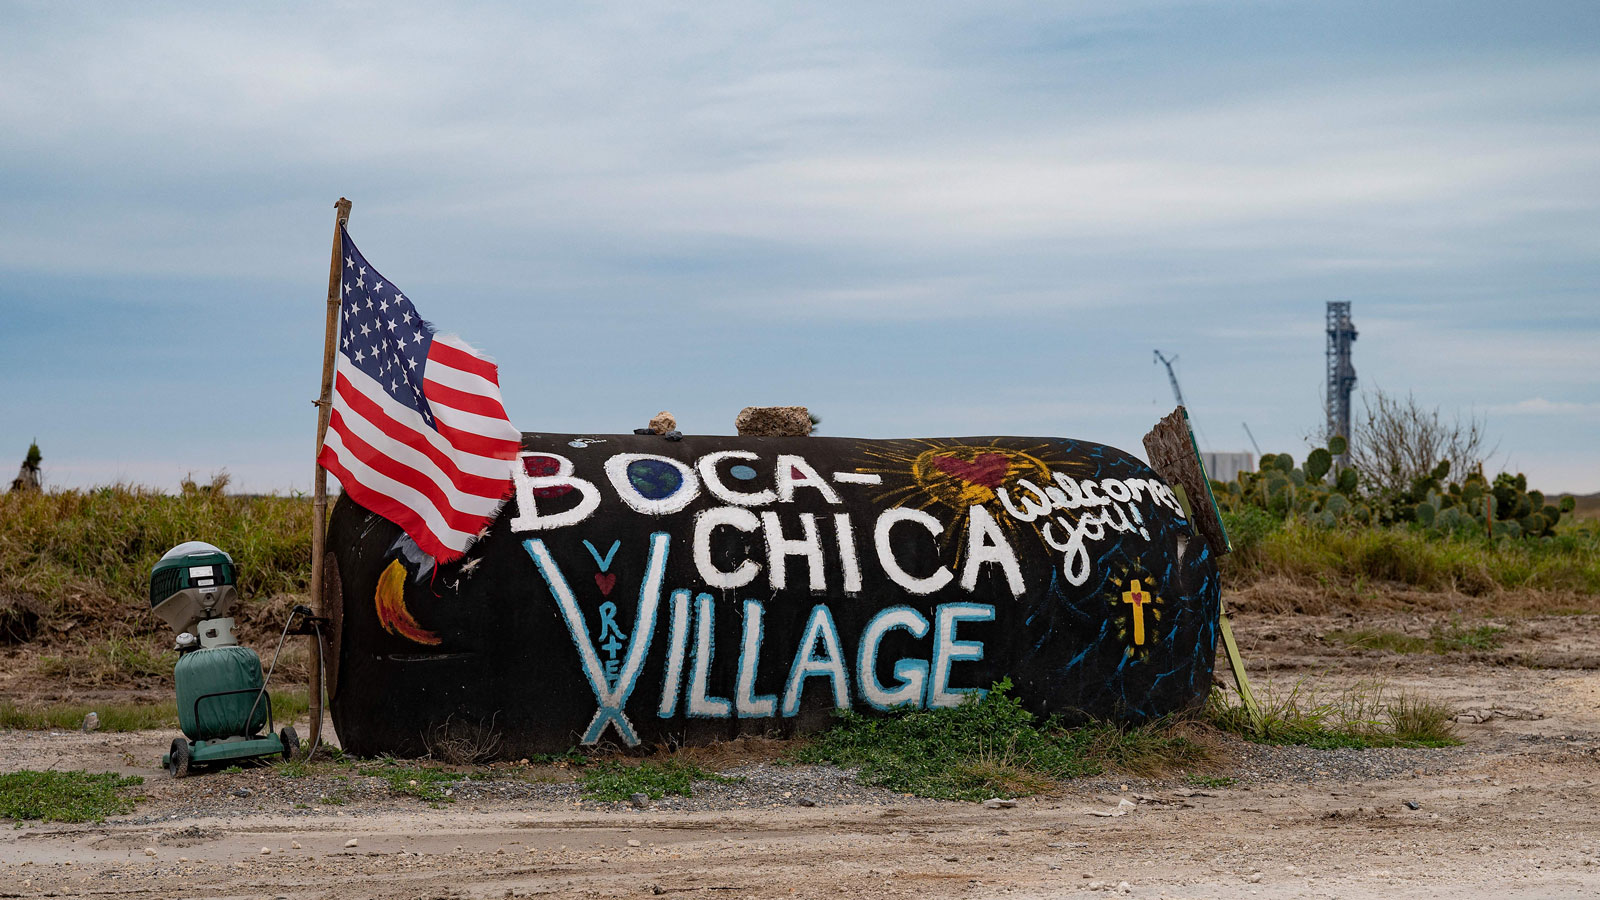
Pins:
x: 606, y: 581
x: 988, y: 470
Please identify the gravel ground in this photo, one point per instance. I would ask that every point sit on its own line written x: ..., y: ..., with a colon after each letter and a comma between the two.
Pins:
x: 343, y: 792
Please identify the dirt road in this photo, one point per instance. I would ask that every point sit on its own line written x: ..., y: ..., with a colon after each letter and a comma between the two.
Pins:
x: 1515, y: 812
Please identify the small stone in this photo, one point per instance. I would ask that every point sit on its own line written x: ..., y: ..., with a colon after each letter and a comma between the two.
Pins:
x: 634, y: 843
x: 149, y: 851
x: 241, y: 792
x: 351, y: 843
x: 1124, y: 888
x: 265, y: 851
x: 91, y: 722
x: 640, y: 800
x: 657, y: 889
x: 806, y: 801
x: 294, y: 845
x: 1097, y: 885
x: 1254, y: 878
x: 997, y: 803
x: 1412, y: 804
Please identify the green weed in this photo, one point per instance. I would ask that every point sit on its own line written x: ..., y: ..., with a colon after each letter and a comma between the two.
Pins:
x: 292, y: 768
x: 426, y: 783
x: 617, y: 780
x: 990, y: 747
x: 1210, y: 781
x: 65, y: 796
x: 573, y: 757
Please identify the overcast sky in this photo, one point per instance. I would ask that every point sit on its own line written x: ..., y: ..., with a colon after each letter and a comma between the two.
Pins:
x: 919, y: 219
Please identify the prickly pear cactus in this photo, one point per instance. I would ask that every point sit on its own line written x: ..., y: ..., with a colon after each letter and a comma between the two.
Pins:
x: 1423, y: 514
x: 1318, y: 462
x: 1471, y: 506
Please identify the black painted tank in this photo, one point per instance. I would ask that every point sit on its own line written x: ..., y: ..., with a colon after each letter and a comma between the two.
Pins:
x: 638, y: 590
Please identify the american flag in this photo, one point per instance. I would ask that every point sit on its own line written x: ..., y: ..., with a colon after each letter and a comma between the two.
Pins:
x: 417, y: 433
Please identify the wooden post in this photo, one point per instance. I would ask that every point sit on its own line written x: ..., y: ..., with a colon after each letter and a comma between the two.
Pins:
x: 319, y: 490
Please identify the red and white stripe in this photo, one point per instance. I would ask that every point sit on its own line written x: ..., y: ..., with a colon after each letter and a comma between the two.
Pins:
x: 442, y: 483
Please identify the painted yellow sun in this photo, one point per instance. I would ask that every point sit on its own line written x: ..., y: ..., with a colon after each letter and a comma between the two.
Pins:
x: 961, y: 477
x: 953, y: 475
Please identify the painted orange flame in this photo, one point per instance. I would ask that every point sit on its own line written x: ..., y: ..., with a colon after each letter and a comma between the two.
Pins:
x: 390, y: 599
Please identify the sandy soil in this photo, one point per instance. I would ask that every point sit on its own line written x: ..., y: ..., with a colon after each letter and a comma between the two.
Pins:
x: 1513, y: 813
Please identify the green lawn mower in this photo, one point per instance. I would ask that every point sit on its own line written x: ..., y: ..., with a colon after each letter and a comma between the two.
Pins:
x: 223, y: 705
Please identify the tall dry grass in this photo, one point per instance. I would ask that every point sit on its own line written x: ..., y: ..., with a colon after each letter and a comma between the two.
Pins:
x: 85, y: 556
x: 1305, y: 553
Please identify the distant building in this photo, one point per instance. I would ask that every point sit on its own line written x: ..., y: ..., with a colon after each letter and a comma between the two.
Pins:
x: 1227, y: 466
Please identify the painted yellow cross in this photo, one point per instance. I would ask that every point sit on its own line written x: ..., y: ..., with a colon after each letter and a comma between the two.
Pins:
x: 1137, y: 599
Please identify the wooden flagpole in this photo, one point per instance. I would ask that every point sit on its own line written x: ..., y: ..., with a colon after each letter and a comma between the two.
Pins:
x: 319, y: 491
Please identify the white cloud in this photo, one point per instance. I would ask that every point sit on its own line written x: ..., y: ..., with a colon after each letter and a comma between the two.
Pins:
x: 1539, y: 406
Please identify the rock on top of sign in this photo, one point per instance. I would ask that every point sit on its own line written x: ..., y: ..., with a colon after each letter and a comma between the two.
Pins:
x: 664, y: 423
x: 773, y: 421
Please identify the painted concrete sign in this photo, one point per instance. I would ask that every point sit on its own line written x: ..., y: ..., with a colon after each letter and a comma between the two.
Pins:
x: 637, y: 590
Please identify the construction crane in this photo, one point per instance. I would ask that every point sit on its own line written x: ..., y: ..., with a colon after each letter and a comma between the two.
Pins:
x: 1252, y: 438
x: 1177, y: 393
x: 1172, y: 377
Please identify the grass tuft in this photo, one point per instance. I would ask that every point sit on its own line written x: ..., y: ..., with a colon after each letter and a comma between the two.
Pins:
x: 991, y: 747
x: 426, y: 783
x: 616, y: 780
x: 1362, y: 717
x: 65, y: 796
